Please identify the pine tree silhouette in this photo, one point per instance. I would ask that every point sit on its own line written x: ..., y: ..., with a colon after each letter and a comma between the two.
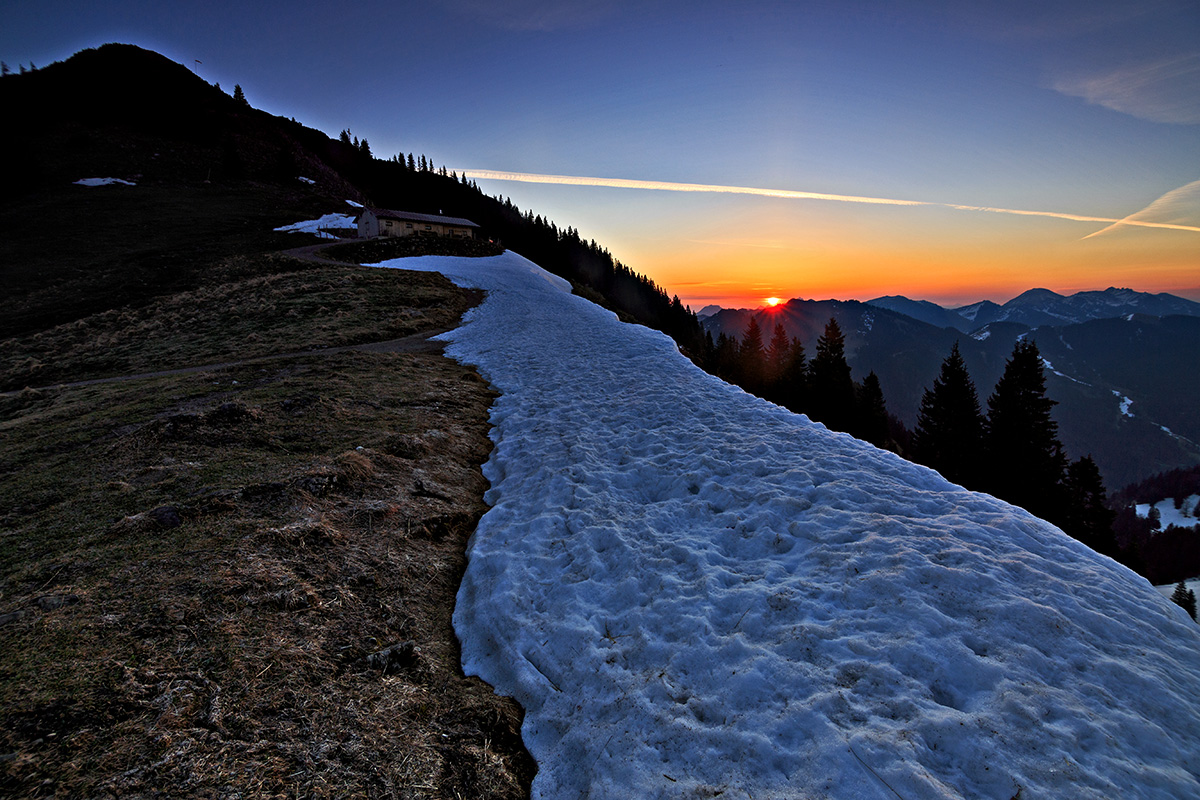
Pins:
x: 872, y: 417
x: 1025, y: 459
x: 752, y: 358
x: 1184, y: 597
x: 950, y: 425
x: 792, y: 384
x: 831, y: 389
x: 1086, y: 515
x: 779, y: 352
x: 239, y: 95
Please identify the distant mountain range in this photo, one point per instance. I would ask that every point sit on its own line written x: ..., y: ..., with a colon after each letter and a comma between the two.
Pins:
x: 1125, y: 377
x: 1042, y: 307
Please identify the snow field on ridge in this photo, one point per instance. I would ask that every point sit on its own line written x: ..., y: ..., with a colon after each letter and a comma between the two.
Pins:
x: 691, y: 590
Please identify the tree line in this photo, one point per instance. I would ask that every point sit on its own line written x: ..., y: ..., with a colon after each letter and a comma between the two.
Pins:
x: 1009, y: 449
x: 414, y: 182
x: 779, y: 370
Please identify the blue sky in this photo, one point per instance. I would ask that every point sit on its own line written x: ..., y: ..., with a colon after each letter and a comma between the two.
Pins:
x: 1085, y: 109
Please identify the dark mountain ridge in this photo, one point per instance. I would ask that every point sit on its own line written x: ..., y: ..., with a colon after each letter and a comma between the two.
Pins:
x: 214, y: 176
x: 1042, y: 307
x: 1093, y: 368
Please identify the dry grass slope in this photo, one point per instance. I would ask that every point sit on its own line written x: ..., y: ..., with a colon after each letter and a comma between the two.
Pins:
x: 240, y: 583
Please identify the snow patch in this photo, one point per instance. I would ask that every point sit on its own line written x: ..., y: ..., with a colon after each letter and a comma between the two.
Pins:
x: 694, y: 592
x: 309, y: 181
x: 1125, y: 404
x: 316, y: 226
x: 103, y: 182
x: 981, y: 335
x: 1046, y: 363
x: 352, y: 203
x: 1168, y: 514
x: 1167, y: 589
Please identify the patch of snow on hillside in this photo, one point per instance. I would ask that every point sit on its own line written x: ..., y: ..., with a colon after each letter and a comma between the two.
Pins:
x: 694, y: 592
x: 1126, y: 403
x: 103, y: 182
x: 981, y: 335
x: 1046, y: 363
x: 1168, y: 514
x: 1167, y: 589
x: 352, y: 203
x: 315, y: 226
x: 309, y: 181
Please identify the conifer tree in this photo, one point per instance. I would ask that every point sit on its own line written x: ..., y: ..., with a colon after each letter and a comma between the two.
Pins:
x: 412, y: 163
x: 792, y: 384
x: 239, y: 95
x: 364, y: 148
x: 752, y: 357
x: 1086, y: 515
x: 871, y: 424
x: 950, y: 425
x: 831, y: 389
x: 779, y: 352
x: 1184, y: 597
x: 344, y: 138
x: 1025, y: 459
x: 726, y: 358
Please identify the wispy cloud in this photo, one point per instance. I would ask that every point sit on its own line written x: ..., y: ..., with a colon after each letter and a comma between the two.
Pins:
x: 667, y: 186
x: 1164, y: 90
x: 1179, y: 206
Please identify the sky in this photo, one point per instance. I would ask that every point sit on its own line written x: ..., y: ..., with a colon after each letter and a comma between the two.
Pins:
x: 733, y: 152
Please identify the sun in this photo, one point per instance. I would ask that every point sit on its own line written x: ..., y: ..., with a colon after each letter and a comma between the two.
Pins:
x: 774, y: 301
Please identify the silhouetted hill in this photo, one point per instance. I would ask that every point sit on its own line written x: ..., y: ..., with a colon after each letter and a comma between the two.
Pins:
x: 213, y: 178
x: 925, y: 311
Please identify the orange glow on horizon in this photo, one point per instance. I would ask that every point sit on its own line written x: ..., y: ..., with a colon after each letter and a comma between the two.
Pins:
x: 774, y: 301
x: 951, y: 269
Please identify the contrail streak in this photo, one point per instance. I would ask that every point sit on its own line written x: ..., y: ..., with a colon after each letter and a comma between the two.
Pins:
x: 1168, y: 204
x: 668, y: 186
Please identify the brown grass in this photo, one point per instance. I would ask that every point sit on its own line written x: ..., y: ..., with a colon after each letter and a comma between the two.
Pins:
x: 299, y: 306
x: 241, y: 583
